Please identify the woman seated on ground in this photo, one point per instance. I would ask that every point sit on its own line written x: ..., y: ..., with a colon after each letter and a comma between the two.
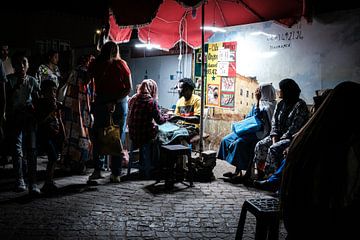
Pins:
x: 239, y: 150
x: 144, y: 112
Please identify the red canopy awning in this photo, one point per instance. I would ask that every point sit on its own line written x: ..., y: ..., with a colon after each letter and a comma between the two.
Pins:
x: 175, y: 20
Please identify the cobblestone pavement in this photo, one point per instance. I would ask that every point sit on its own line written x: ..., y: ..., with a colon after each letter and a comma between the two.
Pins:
x: 128, y: 210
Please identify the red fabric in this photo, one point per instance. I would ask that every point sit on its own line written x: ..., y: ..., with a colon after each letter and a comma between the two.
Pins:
x: 164, y: 29
x: 109, y: 77
x: 117, y: 34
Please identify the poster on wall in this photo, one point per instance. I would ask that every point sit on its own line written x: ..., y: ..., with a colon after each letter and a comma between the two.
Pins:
x: 197, y: 72
x: 221, y: 73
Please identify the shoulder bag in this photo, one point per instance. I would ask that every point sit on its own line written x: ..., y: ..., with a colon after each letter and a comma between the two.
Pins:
x: 251, y: 124
x: 109, y: 140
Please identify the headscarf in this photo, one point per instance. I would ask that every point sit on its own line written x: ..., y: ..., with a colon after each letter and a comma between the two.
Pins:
x: 290, y: 90
x: 148, y: 87
x: 267, y: 103
x: 268, y: 99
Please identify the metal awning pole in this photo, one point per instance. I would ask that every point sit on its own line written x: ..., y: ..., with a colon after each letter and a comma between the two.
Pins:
x: 202, y: 75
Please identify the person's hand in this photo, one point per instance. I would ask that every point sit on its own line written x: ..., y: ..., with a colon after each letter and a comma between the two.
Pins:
x: 168, y: 115
x: 258, y: 94
x: 174, y: 118
x: 285, y: 152
x: 275, y: 139
x: 110, y: 107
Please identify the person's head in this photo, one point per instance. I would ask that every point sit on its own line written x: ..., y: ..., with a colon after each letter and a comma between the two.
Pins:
x: 109, y: 51
x: 85, y: 60
x: 267, y: 92
x: 148, y: 87
x: 137, y: 87
x: 48, y: 89
x: 20, y: 63
x: 186, y: 87
x: 4, y: 51
x: 53, y: 57
x: 289, y: 90
x: 318, y: 100
x: 216, y: 92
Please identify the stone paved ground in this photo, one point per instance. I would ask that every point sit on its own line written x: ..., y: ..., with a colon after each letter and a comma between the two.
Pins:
x: 129, y: 210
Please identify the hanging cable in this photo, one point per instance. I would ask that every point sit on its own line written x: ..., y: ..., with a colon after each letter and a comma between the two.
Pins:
x: 181, y: 29
x: 185, y: 51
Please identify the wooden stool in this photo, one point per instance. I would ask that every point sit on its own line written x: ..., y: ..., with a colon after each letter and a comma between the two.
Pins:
x: 170, y: 154
x: 266, y: 211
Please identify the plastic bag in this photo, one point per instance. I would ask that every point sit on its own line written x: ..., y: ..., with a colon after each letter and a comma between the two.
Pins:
x: 251, y: 124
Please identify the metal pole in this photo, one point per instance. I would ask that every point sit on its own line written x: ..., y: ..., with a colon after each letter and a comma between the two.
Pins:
x: 202, y: 75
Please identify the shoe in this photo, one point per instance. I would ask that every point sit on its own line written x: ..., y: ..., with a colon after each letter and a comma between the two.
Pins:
x: 236, y: 179
x: 115, y: 179
x: 34, y: 190
x: 229, y: 174
x: 21, y: 186
x: 95, y: 175
x: 169, y: 184
x: 49, y: 188
x: 266, y: 185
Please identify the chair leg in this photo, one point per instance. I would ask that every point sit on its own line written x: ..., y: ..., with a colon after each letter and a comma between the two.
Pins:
x: 241, y: 224
x: 261, y: 230
x: 191, y: 170
x: 274, y: 229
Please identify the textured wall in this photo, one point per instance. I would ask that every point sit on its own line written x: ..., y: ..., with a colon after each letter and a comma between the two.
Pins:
x: 218, y: 120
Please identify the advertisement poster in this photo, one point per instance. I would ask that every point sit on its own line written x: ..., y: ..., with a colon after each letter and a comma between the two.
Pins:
x: 197, y: 73
x: 221, y: 74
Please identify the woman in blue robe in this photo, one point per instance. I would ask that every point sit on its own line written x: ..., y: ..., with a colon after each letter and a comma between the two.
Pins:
x: 239, y: 150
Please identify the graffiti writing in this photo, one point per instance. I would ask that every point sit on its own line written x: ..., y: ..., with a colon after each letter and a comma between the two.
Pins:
x: 286, y: 36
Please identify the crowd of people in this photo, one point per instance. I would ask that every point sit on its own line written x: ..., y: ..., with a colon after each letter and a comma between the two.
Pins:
x: 292, y: 149
x: 64, y: 119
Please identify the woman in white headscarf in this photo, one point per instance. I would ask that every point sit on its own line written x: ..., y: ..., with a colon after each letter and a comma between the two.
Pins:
x: 239, y: 150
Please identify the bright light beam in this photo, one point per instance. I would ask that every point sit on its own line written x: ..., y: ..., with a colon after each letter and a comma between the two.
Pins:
x: 147, y: 45
x: 214, y: 29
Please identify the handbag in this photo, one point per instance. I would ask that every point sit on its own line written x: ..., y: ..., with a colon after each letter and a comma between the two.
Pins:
x: 109, y: 140
x: 251, y: 124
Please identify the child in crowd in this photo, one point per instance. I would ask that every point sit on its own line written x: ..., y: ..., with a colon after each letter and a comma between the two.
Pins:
x: 21, y: 91
x: 51, y: 131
